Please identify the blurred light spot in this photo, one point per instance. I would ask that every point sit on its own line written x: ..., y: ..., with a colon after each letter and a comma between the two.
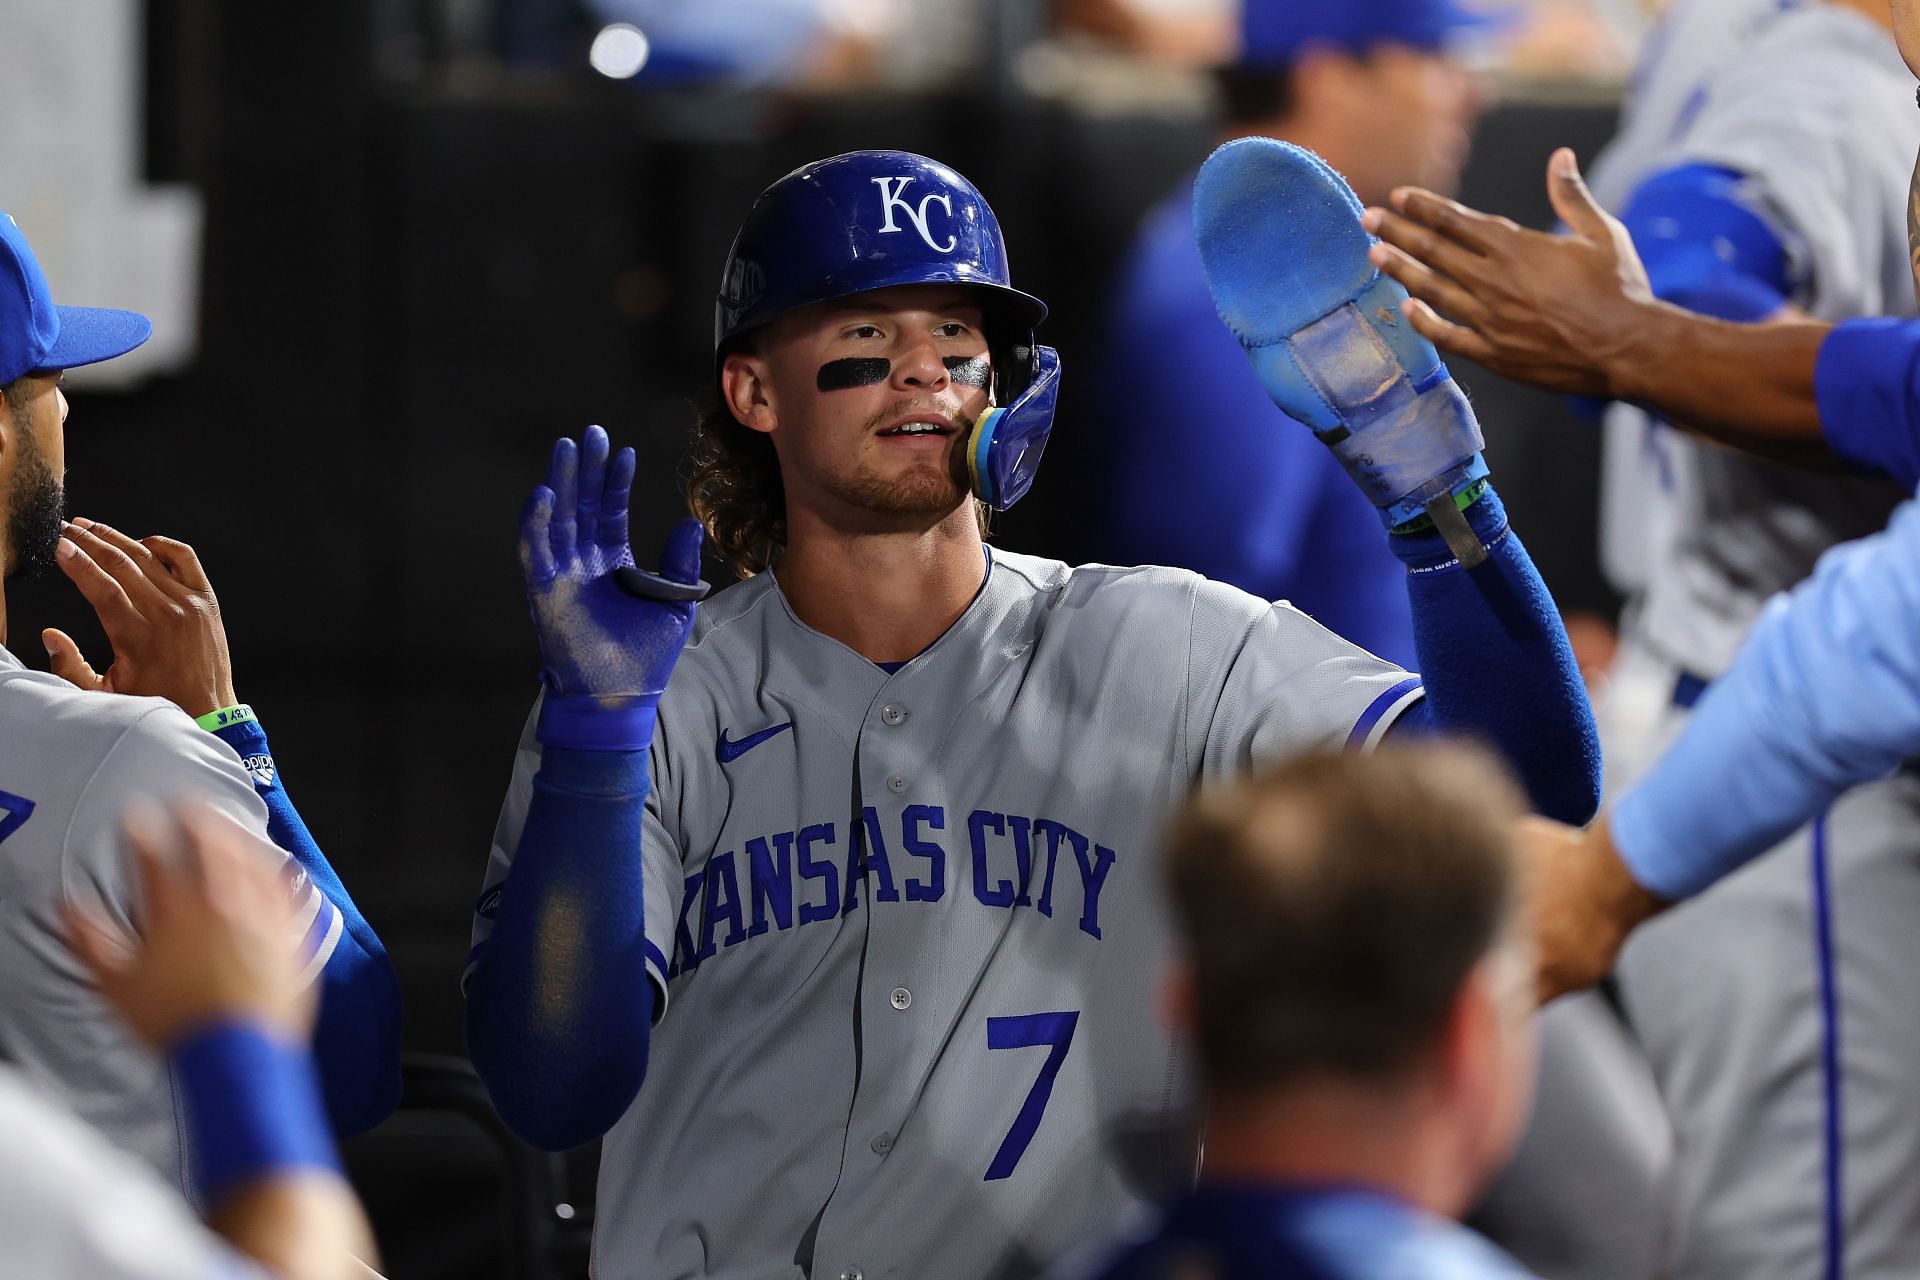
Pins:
x: 619, y: 51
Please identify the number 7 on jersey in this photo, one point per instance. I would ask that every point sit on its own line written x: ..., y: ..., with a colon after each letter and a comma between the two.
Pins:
x: 14, y: 812
x: 1028, y: 1031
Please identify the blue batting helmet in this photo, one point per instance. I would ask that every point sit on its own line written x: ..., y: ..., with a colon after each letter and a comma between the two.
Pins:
x: 876, y: 219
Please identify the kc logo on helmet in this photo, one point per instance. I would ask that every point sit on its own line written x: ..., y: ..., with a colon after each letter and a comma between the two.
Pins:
x: 890, y: 189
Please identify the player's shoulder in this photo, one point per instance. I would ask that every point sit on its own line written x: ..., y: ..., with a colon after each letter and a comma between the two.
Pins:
x: 1136, y: 595
x: 1825, y: 53
x: 51, y: 719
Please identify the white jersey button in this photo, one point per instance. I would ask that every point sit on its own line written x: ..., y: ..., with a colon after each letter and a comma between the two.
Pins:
x: 893, y: 713
x: 881, y: 1145
x: 896, y: 784
x: 901, y: 997
x: 852, y: 1273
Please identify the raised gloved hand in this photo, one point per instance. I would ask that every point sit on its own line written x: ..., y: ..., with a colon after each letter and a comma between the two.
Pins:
x: 609, y: 632
x: 1286, y: 259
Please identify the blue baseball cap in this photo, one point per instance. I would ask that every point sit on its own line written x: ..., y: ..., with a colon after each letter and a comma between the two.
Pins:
x: 1273, y: 32
x: 36, y: 335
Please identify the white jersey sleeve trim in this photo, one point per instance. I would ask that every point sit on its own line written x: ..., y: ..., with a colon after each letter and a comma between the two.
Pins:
x: 1382, y: 712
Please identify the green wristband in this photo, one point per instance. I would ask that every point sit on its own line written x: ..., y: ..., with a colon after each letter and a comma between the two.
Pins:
x: 225, y: 717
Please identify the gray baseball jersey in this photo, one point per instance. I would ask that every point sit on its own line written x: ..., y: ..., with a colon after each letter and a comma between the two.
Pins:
x: 1817, y: 113
x: 908, y: 927
x: 1770, y: 1006
x: 71, y: 1205
x: 69, y: 763
x: 1688, y: 47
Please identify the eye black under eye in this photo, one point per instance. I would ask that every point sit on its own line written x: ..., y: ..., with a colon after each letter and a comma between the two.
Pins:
x: 967, y: 371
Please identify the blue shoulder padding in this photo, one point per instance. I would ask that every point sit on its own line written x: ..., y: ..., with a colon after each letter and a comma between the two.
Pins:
x: 1286, y: 260
x: 1867, y: 384
x: 1705, y: 244
x: 1497, y: 664
x: 356, y: 1039
x: 559, y: 1004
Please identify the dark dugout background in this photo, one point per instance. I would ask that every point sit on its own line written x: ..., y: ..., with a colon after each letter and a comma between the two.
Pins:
x: 414, y: 280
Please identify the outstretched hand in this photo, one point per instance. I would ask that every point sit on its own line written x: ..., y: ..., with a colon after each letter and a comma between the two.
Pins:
x: 597, y: 638
x: 1556, y: 311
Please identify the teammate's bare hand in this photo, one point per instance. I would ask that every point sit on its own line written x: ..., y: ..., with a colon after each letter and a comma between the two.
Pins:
x: 1557, y: 311
x: 159, y: 613
x: 1581, y: 902
x: 218, y: 937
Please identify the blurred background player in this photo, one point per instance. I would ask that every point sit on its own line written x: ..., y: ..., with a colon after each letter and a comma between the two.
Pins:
x: 1765, y: 1034
x: 214, y: 981
x: 1783, y: 191
x: 70, y: 758
x: 1356, y: 983
x: 1380, y: 91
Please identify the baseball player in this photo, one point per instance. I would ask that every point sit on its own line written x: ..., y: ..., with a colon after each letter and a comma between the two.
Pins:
x: 215, y: 982
x: 1356, y: 991
x: 71, y: 757
x: 1766, y: 1033
x: 878, y: 861
x: 1264, y: 509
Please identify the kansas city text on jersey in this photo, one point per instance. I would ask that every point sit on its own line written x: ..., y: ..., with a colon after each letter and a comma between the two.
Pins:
x: 790, y: 879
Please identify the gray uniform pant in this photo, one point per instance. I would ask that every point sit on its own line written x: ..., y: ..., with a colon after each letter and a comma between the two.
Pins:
x: 1778, y: 1011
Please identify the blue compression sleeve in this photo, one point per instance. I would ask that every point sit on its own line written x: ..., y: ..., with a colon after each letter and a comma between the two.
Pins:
x: 1824, y: 696
x: 559, y: 1005
x: 1497, y: 665
x: 1867, y: 382
x: 357, y: 1037
x: 1705, y: 245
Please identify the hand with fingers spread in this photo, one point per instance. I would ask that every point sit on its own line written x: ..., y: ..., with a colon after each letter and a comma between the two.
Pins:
x: 159, y: 613
x: 218, y: 936
x: 1563, y: 312
x: 605, y: 649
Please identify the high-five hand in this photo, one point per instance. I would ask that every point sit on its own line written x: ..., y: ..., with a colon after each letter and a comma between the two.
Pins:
x: 598, y: 639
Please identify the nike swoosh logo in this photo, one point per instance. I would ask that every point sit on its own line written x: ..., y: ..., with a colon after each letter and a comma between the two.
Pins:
x: 728, y: 752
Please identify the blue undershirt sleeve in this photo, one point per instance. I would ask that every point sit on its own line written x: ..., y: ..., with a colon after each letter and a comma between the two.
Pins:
x: 1497, y: 665
x: 559, y: 1002
x: 1824, y: 696
x: 357, y: 1035
x: 1867, y: 383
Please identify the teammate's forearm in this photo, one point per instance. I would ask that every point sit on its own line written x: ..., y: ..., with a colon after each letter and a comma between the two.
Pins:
x: 1497, y: 664
x: 1748, y: 385
x: 357, y: 1038
x: 262, y: 1157
x: 1824, y: 696
x: 304, y: 1227
x: 559, y: 1004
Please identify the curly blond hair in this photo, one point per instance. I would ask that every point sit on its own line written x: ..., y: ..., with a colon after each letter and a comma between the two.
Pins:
x: 736, y: 493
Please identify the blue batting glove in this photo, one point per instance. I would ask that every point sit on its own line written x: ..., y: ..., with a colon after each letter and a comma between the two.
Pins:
x: 1286, y: 260
x: 607, y: 651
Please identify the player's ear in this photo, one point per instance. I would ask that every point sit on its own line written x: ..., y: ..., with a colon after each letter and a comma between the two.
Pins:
x: 747, y: 392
